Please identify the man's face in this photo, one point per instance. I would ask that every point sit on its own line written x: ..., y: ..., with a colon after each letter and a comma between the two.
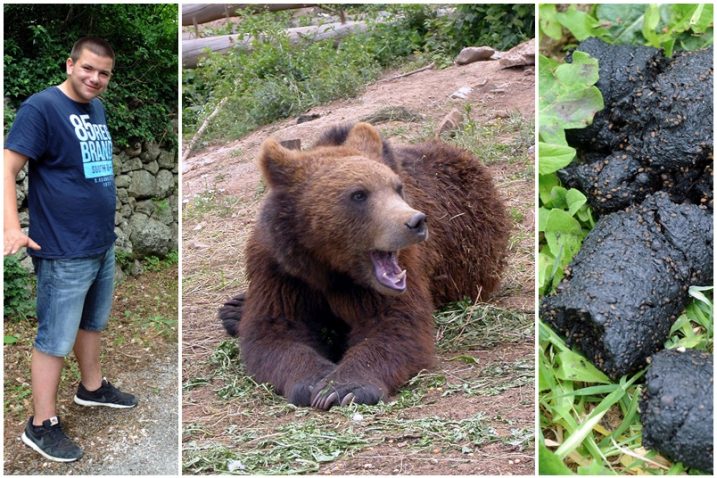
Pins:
x: 88, y: 76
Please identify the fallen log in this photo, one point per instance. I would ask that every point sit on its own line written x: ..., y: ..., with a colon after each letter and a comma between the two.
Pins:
x: 196, y: 14
x: 192, y: 50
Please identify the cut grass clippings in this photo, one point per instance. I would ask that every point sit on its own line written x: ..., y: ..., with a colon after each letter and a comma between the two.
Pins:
x: 304, y: 439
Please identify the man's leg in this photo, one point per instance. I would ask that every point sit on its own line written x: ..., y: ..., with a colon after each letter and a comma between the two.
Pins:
x: 87, y: 352
x: 45, y: 372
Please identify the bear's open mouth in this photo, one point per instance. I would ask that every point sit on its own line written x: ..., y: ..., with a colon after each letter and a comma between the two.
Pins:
x: 388, y: 272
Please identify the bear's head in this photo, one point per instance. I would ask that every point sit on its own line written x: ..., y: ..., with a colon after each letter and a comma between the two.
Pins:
x: 342, y: 206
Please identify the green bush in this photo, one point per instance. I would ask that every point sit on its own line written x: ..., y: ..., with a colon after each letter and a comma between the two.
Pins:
x: 142, y: 97
x: 18, y: 285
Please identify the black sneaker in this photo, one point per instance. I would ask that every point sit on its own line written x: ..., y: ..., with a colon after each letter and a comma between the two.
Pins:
x: 106, y: 396
x: 50, y: 441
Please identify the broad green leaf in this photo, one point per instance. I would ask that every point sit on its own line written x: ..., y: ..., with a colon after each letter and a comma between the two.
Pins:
x: 575, y: 200
x: 568, y: 98
x: 10, y: 340
x: 554, y: 157
x: 624, y: 21
x: 577, y: 368
x: 649, y: 24
x: 561, y: 221
x: 580, y: 24
x: 549, y: 24
x: 595, y: 468
x: 546, y: 183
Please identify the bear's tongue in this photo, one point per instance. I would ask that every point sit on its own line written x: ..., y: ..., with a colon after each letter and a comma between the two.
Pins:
x: 387, y: 270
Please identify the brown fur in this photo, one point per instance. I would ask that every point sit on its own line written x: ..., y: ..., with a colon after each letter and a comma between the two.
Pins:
x: 315, y: 322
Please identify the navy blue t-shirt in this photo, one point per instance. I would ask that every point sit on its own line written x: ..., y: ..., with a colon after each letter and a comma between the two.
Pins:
x: 72, y: 191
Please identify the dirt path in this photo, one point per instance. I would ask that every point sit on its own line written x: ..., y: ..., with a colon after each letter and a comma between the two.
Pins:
x: 229, y: 422
x: 139, y: 356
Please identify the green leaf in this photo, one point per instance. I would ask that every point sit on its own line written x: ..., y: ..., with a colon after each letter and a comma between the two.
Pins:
x: 585, y: 429
x: 554, y: 157
x: 549, y: 24
x: 561, y: 221
x: 580, y: 24
x: 624, y: 21
x: 568, y: 98
x: 10, y: 340
x: 549, y: 463
x: 575, y: 200
x: 576, y: 368
x: 649, y: 25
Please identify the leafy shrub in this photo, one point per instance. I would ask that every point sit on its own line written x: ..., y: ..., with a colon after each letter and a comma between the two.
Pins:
x: 18, y: 285
x: 142, y: 96
x: 500, y: 26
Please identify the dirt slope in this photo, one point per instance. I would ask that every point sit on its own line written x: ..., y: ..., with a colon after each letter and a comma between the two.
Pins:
x: 221, y: 194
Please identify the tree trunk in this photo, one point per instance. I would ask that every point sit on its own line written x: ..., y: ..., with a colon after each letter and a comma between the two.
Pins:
x: 196, y: 14
x: 193, y: 49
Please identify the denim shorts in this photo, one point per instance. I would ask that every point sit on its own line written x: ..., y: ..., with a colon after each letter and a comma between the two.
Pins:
x: 72, y: 294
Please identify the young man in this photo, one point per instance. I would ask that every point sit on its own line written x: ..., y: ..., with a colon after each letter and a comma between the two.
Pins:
x: 63, y: 134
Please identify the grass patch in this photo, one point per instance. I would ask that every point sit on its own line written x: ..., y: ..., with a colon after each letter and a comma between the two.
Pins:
x: 501, y: 140
x: 465, y: 325
x: 211, y: 202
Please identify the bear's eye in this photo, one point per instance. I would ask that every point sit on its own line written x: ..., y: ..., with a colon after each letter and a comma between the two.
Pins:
x: 359, y: 196
x: 399, y: 190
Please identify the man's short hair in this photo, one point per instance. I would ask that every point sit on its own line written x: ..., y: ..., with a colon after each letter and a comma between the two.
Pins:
x: 96, y: 45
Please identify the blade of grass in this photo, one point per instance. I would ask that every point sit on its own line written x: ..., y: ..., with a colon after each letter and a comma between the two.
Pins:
x: 579, y: 435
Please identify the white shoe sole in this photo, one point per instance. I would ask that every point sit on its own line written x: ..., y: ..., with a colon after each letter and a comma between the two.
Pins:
x: 34, y: 446
x: 87, y: 403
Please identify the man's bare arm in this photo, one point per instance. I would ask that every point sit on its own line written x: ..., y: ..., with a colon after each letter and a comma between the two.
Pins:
x: 14, y: 237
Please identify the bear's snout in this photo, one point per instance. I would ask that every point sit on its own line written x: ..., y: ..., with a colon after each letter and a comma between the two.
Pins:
x: 417, y: 225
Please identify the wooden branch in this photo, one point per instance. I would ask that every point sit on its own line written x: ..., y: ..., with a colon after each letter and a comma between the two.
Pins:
x: 424, y: 68
x: 195, y: 13
x: 192, y: 50
x: 202, y: 128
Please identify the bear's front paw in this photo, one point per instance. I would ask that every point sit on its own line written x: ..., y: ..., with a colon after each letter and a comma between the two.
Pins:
x: 329, y: 394
x: 300, y: 394
x: 230, y: 314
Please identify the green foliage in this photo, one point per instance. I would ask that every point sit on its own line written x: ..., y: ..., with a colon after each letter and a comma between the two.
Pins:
x: 669, y: 26
x: 142, y: 95
x: 500, y: 26
x: 18, y: 285
x: 277, y: 80
x: 568, y: 99
x: 154, y: 263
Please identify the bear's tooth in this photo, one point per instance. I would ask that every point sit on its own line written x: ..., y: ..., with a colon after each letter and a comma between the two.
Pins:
x: 401, y: 276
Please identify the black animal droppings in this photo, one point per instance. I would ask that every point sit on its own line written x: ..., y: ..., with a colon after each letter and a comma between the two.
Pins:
x: 676, y: 407
x: 617, y: 306
x: 658, y: 109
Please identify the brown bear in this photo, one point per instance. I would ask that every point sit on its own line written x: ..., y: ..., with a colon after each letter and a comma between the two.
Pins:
x: 356, y: 244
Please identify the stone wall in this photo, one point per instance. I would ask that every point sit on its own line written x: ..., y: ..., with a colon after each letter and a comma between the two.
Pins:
x: 146, y: 219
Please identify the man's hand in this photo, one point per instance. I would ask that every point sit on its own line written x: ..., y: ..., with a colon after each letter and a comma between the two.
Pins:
x: 15, y: 239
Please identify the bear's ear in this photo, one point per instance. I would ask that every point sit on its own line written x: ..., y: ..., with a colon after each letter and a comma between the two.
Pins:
x: 279, y: 166
x: 366, y: 139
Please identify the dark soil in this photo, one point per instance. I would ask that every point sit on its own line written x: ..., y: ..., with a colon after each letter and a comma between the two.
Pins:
x: 139, y: 355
